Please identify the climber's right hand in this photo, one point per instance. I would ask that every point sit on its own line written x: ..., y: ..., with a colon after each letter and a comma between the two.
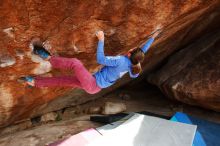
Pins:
x: 157, y: 31
x: 156, y: 34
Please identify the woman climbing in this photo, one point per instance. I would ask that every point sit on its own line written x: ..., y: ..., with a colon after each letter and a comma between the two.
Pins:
x: 114, y: 67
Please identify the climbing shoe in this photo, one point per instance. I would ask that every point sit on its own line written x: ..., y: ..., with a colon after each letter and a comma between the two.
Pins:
x: 28, y: 80
x: 41, y: 51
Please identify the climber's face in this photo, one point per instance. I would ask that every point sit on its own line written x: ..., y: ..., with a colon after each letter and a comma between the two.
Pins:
x: 136, y: 69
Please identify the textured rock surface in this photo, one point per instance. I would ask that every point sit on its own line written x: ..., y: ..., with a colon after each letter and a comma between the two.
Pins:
x: 148, y: 99
x: 192, y: 75
x: 46, y: 134
x: 69, y: 27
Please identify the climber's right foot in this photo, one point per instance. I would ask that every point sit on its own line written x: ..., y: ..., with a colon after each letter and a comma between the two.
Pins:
x: 41, y: 52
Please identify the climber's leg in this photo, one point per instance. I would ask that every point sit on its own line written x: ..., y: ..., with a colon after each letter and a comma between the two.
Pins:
x: 86, y: 79
x: 82, y: 78
x: 62, y: 62
x: 61, y: 81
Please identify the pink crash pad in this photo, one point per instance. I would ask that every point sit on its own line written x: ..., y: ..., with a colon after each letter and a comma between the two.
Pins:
x: 80, y: 139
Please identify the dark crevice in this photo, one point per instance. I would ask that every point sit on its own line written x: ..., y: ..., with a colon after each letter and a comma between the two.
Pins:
x: 36, y: 120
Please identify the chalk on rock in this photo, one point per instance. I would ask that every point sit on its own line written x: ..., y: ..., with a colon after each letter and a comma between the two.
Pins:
x: 76, y: 49
x: 20, y: 54
x: 47, y: 45
x: 113, y: 108
x: 94, y: 110
x: 6, y: 60
x: 35, y: 41
x: 110, y: 32
x: 9, y: 31
x: 49, y: 117
x: 42, y: 67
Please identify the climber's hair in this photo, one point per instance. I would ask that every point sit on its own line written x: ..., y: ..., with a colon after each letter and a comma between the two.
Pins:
x: 136, y: 69
x: 137, y: 57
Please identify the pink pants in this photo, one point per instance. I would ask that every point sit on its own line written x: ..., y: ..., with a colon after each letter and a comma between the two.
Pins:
x: 81, y: 79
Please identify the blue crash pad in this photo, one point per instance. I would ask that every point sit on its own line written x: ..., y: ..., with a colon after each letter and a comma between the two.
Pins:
x: 207, y: 133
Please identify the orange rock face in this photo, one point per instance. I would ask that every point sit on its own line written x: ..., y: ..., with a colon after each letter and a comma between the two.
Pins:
x: 68, y: 26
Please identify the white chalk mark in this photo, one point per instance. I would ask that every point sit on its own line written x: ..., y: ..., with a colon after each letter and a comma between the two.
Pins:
x: 42, y: 68
x: 31, y: 46
x: 111, y: 32
x: 6, y: 60
x: 6, y: 96
x: 47, y: 45
x: 20, y: 54
x: 76, y: 49
x: 9, y: 31
x: 6, y: 102
x: 43, y: 65
x: 175, y: 86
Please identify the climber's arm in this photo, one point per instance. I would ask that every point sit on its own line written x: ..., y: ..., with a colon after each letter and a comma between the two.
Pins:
x: 101, y: 58
x: 149, y: 42
x: 147, y: 45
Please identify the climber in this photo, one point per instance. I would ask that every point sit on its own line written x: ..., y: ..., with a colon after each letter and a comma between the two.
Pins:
x: 114, y: 67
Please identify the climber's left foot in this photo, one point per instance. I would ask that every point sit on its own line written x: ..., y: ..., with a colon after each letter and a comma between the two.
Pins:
x: 27, y: 80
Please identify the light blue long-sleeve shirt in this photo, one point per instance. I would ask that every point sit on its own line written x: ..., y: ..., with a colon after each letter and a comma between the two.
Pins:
x: 114, y: 66
x: 147, y: 45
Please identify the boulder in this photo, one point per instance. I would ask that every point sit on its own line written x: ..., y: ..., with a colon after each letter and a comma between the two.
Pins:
x: 192, y: 75
x: 69, y: 27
